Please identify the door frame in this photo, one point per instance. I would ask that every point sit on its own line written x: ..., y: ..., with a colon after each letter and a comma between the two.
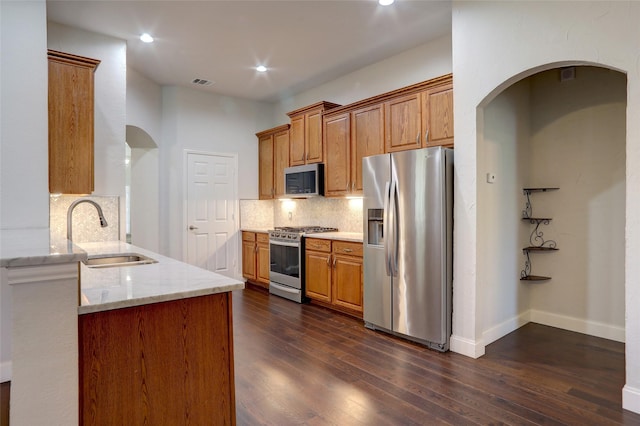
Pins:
x: 236, y: 202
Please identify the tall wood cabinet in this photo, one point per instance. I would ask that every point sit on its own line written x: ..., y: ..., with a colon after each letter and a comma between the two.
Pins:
x: 273, y: 158
x: 255, y: 257
x: 306, y: 133
x: 334, y: 274
x: 71, y: 123
x: 349, y: 136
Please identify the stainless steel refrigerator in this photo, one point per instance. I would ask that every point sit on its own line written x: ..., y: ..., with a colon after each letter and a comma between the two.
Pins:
x: 408, y: 227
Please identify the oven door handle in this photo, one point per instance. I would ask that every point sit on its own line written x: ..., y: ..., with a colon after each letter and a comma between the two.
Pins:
x: 282, y: 243
x: 283, y: 288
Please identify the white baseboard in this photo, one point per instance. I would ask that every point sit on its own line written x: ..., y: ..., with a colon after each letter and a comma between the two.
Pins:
x: 579, y: 325
x: 506, y: 327
x: 631, y: 399
x: 5, y: 371
x: 467, y: 347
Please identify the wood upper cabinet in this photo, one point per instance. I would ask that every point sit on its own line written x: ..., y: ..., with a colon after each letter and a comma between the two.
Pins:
x: 367, y: 138
x: 437, y: 107
x: 334, y: 274
x: 403, y: 122
x: 306, y: 134
x: 71, y: 118
x: 273, y: 158
x: 337, y: 167
x: 350, y: 136
x: 255, y: 257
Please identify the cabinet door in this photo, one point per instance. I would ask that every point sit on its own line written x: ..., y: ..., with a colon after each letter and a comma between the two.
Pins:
x: 437, y: 111
x: 296, y: 141
x: 280, y: 161
x: 347, y: 282
x: 338, y: 147
x: 367, y: 138
x: 313, y: 136
x: 263, y: 264
x: 403, y: 127
x: 318, y: 275
x: 249, y: 260
x: 71, y: 126
x: 265, y: 167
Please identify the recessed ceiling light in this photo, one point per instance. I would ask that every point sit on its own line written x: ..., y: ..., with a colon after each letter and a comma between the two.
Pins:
x: 146, y: 38
x: 385, y: 2
x: 261, y: 68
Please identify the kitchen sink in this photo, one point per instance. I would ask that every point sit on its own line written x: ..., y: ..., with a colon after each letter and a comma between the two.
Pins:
x: 119, y: 259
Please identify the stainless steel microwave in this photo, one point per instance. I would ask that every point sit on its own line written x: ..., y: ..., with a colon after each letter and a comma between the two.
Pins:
x: 304, y: 181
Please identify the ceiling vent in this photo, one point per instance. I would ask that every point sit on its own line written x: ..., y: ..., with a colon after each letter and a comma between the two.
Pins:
x: 201, y: 82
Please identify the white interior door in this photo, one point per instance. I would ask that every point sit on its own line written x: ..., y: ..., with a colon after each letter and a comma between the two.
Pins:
x: 211, y: 212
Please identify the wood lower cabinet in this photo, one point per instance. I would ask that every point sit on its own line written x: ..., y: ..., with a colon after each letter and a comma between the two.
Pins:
x: 255, y: 257
x: 71, y: 117
x: 334, y: 274
x: 273, y: 158
x: 167, y: 363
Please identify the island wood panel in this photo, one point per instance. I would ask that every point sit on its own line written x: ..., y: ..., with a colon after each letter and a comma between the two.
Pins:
x: 165, y: 363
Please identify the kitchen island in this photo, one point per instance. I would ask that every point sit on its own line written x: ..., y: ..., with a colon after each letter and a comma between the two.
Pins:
x: 150, y: 343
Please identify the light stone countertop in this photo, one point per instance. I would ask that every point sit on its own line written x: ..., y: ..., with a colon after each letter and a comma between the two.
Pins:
x: 260, y: 230
x: 356, y: 237
x: 124, y: 286
x: 35, y: 247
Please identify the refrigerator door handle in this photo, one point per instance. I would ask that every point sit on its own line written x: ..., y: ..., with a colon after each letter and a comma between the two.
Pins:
x: 385, y: 229
x: 395, y: 226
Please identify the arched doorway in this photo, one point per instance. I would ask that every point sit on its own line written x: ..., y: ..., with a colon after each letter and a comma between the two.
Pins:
x: 566, y: 128
x: 142, y: 190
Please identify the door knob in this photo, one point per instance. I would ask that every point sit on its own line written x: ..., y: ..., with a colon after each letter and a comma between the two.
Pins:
x: 191, y: 227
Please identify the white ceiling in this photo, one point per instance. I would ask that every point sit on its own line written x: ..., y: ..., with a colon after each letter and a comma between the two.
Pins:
x: 304, y: 43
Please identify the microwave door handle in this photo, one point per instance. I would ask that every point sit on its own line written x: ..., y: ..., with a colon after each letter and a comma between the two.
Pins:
x: 385, y: 230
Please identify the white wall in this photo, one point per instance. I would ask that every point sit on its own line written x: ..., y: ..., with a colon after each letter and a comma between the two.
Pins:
x: 504, y: 153
x: 413, y: 66
x: 24, y: 161
x: 578, y: 144
x: 496, y: 43
x: 144, y: 104
x: 204, y: 122
x: 109, y: 104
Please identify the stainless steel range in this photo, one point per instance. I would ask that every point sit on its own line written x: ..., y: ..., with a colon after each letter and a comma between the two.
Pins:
x: 286, y: 252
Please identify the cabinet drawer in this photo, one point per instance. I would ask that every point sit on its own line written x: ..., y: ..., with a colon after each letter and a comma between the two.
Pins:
x: 262, y: 238
x: 248, y: 236
x: 318, y: 244
x: 344, y: 247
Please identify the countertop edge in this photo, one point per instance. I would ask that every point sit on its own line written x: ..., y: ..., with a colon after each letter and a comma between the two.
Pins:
x: 89, y: 309
x: 355, y: 237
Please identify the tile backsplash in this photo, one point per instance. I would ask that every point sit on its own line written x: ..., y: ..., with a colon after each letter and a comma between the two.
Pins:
x: 85, y: 223
x: 344, y: 214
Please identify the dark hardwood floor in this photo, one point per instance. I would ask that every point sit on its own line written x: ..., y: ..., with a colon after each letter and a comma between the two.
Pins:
x: 303, y: 364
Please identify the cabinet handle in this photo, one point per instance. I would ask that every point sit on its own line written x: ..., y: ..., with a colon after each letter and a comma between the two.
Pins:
x: 353, y: 186
x: 418, y: 138
x: 256, y: 248
x: 347, y: 250
x: 347, y: 188
x: 307, y: 157
x: 329, y: 260
x: 426, y: 136
x: 334, y: 262
x: 192, y: 228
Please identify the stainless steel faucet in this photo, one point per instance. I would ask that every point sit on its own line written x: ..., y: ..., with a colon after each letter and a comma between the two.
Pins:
x: 103, y: 221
